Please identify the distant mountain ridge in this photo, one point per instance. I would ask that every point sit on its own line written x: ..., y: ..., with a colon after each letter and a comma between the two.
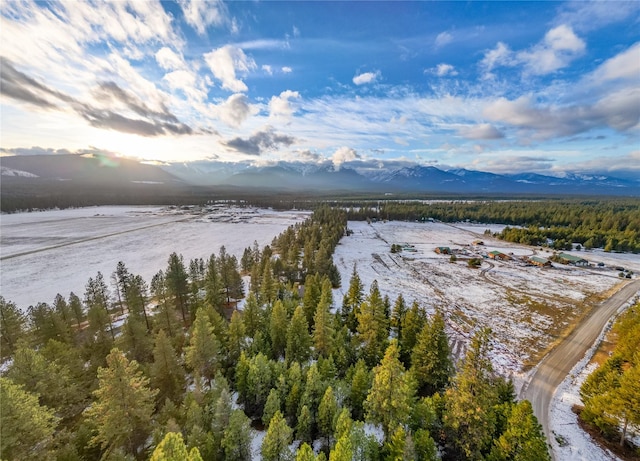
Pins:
x: 306, y: 177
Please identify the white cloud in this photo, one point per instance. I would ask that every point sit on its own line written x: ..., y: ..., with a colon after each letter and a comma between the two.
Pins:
x: 187, y: 82
x: 235, y: 110
x: 499, y: 56
x: 367, y: 77
x: 625, y: 65
x: 443, y: 38
x: 342, y: 155
x: 557, y: 50
x: 201, y: 14
x: 169, y: 59
x: 281, y: 105
x: 267, y: 68
x: 442, y: 70
x: 482, y: 131
x: 287, y: 70
x: 228, y: 61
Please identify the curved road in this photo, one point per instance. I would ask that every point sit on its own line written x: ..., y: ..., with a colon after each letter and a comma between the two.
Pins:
x: 556, y: 365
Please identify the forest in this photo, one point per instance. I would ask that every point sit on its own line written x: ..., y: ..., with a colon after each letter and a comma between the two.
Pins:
x: 171, y: 370
x: 611, y: 224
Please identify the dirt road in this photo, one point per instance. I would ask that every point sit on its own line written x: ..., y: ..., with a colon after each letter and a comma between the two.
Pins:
x: 558, y: 363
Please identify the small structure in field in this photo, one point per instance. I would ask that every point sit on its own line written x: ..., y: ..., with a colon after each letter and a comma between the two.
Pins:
x: 478, y: 242
x: 443, y: 250
x: 537, y: 261
x: 565, y: 258
x: 498, y: 255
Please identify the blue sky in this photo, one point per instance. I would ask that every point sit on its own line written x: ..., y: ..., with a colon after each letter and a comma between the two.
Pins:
x: 547, y: 87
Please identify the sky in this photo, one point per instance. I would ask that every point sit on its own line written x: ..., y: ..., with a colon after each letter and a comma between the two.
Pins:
x: 545, y: 87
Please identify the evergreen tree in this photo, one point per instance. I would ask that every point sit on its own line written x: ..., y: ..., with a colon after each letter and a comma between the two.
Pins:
x: 237, y: 338
x: 305, y: 425
x: 414, y: 321
x: 259, y: 384
x: 135, y: 340
x: 470, y: 402
x: 275, y: 446
x: 390, y: 400
x: 523, y: 439
x: 96, y: 298
x: 165, y: 318
x: 26, y: 427
x: 252, y: 316
x: 271, y: 407
x: 395, y: 446
x: 76, y: 308
x: 298, y: 339
x: 397, y: 317
x: 360, y: 385
x: 278, y: 324
x: 177, y: 284
x: 305, y: 453
x: 323, y: 328
x: 431, y: 363
x: 166, y: 373
x: 327, y: 414
x: 123, y: 406
x: 12, y: 327
x: 172, y: 448
x: 352, y: 300
x: 373, y: 326
x: 236, y: 442
x: 202, y: 353
x: 343, y: 451
x: 311, y: 297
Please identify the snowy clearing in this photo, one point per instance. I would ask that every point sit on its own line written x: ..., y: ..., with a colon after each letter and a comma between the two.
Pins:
x: 50, y: 252
x: 527, y: 307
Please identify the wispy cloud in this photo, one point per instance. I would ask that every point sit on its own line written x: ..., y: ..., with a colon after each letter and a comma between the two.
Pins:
x: 226, y: 63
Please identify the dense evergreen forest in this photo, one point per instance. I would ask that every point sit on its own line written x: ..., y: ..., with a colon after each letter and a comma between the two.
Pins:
x: 612, y: 224
x: 611, y: 394
x: 170, y: 370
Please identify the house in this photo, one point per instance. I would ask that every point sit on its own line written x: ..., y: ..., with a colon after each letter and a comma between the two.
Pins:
x: 443, y: 250
x: 565, y: 258
x: 537, y: 261
x: 498, y: 255
x: 478, y: 242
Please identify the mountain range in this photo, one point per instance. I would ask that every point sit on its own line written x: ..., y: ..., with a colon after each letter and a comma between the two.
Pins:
x: 296, y: 176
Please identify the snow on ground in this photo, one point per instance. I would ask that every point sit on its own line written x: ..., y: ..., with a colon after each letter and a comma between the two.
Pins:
x: 526, y: 306
x: 50, y: 252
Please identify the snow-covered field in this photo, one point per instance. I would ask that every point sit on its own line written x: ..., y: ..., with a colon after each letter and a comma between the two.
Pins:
x: 50, y: 252
x: 526, y: 306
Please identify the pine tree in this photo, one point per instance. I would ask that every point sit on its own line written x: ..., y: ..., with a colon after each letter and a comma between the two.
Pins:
x: 397, y: 317
x: 77, y: 309
x: 360, y: 385
x: 259, y: 384
x: 390, y: 400
x: 431, y: 363
x: 305, y: 453
x: 177, y: 284
x: 373, y: 326
x: 395, y: 447
x: 237, y: 338
x: 26, y: 427
x: 252, y: 316
x: 236, y: 442
x: 323, y: 329
x: 96, y: 298
x: 311, y: 297
x: 275, y: 446
x: 172, y: 448
x: 278, y: 329
x: 327, y: 413
x: 12, y: 327
x: 305, y: 425
x: 352, y: 300
x: 298, y: 339
x: 123, y: 406
x: 523, y: 439
x: 414, y: 321
x: 165, y: 319
x: 271, y: 407
x: 135, y: 340
x: 166, y: 373
x: 470, y: 415
x: 343, y: 451
x: 202, y: 353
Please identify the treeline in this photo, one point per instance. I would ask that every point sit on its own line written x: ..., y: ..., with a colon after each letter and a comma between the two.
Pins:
x: 612, y: 224
x: 611, y: 394
x: 102, y: 378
